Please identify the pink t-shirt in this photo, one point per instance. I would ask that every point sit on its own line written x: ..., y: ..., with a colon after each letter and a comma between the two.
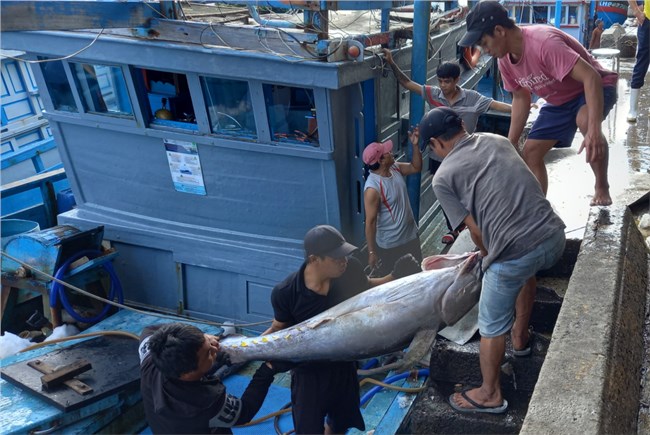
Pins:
x: 548, y: 57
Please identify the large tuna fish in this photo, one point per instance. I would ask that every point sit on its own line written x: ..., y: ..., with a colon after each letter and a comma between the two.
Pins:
x: 378, y: 321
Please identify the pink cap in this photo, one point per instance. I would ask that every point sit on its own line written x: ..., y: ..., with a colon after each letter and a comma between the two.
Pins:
x: 375, y: 150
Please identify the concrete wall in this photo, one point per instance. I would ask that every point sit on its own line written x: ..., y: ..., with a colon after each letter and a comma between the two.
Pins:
x: 590, y: 381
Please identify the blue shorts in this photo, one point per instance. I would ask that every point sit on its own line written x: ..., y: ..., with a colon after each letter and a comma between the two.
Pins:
x: 559, y: 122
x: 503, y: 280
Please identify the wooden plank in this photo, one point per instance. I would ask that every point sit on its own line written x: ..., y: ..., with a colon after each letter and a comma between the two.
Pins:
x: 399, y: 408
x: 32, y: 182
x: 65, y: 373
x: 15, y: 404
x: 74, y: 384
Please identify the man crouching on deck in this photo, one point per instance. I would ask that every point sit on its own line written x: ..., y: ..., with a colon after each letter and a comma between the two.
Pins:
x: 483, y: 183
x: 179, y: 396
x: 325, y: 395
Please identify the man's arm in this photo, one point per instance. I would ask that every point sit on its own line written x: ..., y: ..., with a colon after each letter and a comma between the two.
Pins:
x: 500, y: 106
x: 475, y: 233
x: 276, y: 326
x: 520, y: 110
x: 638, y: 12
x: 371, y: 205
x: 415, y: 165
x: 594, y: 141
x: 235, y: 411
x: 402, y: 78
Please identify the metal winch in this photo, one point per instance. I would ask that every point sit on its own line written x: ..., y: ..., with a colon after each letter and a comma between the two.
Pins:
x: 33, y: 258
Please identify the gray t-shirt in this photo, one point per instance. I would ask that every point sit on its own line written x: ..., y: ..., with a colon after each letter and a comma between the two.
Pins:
x: 484, y: 176
x: 469, y: 105
x: 395, y: 223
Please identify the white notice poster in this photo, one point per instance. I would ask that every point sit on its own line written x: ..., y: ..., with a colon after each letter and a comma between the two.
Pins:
x: 185, y: 166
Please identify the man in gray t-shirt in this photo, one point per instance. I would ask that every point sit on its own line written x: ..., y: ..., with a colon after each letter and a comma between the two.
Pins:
x: 483, y: 183
x: 468, y: 103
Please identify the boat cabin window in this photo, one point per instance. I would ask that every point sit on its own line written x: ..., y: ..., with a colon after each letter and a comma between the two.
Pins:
x: 521, y: 14
x: 168, y: 98
x: 102, y: 89
x: 292, y: 114
x: 229, y: 106
x: 58, y: 86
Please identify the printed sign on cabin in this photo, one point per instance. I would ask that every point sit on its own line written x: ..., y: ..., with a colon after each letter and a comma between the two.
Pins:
x: 185, y: 166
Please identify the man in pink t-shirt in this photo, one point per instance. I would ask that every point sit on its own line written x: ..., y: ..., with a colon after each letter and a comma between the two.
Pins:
x: 544, y: 61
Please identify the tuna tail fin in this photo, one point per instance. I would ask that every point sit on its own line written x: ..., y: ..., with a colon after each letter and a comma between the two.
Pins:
x: 420, y: 346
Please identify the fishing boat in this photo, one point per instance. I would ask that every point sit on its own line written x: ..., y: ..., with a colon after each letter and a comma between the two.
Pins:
x: 201, y: 142
x: 31, y: 165
x: 574, y: 17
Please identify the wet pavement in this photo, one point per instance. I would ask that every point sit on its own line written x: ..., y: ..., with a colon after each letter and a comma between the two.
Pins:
x: 570, y: 177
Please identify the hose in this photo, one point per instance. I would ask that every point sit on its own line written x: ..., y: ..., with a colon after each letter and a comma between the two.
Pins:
x: 366, y: 397
x: 78, y: 336
x: 57, y: 291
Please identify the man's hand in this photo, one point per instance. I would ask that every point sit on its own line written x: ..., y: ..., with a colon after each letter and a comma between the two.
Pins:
x: 280, y: 366
x: 222, y: 359
x: 388, y: 55
x: 595, y: 143
x: 373, y: 259
x: 640, y: 16
x: 404, y: 266
x: 414, y: 135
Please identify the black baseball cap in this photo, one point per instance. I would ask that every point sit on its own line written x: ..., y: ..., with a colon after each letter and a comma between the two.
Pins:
x: 437, y: 121
x: 481, y: 19
x: 327, y: 241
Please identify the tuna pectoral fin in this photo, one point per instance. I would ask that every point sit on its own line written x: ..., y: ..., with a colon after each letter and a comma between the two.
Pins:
x: 420, y: 346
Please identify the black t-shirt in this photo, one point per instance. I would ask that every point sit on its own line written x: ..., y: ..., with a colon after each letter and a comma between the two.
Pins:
x: 173, y: 406
x: 293, y: 302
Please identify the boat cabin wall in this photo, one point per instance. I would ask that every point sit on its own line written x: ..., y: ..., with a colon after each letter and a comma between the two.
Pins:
x: 207, y: 167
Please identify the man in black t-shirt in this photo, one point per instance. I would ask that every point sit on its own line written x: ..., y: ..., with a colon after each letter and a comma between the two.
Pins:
x: 325, y: 395
x: 179, y: 396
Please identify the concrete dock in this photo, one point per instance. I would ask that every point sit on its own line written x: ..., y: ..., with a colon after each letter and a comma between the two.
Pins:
x: 593, y: 376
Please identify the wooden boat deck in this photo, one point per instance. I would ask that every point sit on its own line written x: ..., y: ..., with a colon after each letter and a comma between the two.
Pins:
x: 22, y: 412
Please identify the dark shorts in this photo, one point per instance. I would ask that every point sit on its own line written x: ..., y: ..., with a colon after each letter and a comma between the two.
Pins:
x: 559, y: 122
x: 325, y: 390
x: 389, y: 256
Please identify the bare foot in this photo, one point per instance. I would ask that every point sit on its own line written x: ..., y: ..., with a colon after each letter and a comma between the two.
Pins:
x: 601, y: 197
x: 478, y: 396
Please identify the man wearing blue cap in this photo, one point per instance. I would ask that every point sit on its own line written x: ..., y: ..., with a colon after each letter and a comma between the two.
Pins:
x: 545, y: 61
x: 483, y: 183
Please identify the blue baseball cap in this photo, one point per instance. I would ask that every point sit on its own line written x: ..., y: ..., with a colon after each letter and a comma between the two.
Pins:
x: 482, y: 19
x: 438, y: 121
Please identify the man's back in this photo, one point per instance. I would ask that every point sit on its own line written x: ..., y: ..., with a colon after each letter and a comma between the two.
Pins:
x: 484, y: 175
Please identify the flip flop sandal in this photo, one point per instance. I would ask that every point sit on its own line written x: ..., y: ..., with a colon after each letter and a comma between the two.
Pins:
x: 528, y: 349
x: 449, y: 238
x: 477, y: 407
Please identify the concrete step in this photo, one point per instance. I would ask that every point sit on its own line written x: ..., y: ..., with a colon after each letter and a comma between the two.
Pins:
x: 433, y: 415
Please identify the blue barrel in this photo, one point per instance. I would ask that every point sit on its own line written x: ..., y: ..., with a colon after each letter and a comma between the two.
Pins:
x: 11, y: 228
x: 612, y: 12
x: 65, y: 200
